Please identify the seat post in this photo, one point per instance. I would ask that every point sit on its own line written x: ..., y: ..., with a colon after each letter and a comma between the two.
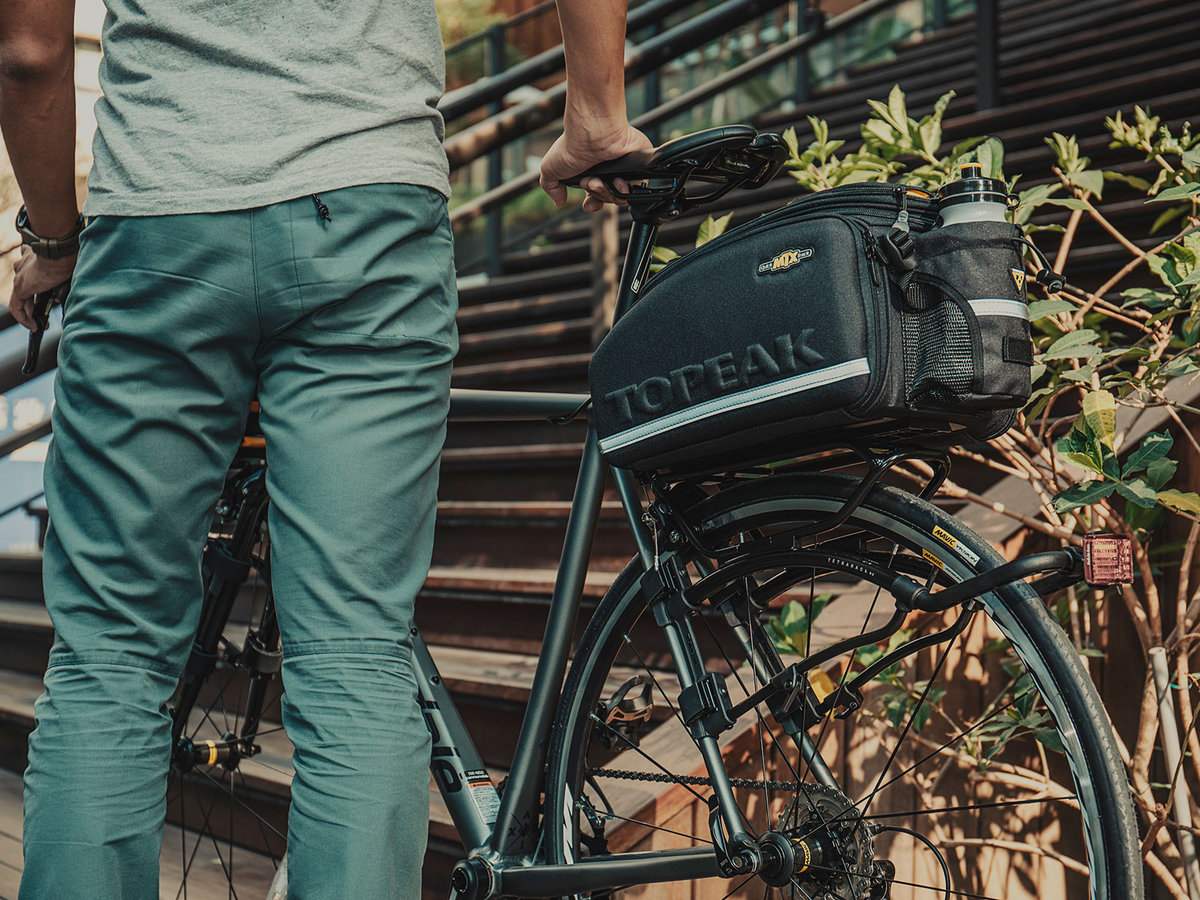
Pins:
x: 636, y: 266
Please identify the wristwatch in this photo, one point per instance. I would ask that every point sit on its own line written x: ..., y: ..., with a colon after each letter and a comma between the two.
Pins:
x: 49, y: 248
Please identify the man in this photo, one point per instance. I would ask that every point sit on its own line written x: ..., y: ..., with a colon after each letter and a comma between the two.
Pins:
x: 266, y: 215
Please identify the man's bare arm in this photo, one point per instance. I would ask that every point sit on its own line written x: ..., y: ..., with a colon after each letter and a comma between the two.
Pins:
x: 595, y: 126
x: 37, y: 118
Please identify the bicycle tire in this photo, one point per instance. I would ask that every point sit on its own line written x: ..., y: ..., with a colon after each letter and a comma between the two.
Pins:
x: 1064, y: 692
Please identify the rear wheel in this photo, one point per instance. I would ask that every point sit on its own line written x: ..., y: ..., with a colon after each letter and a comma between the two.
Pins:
x: 956, y: 754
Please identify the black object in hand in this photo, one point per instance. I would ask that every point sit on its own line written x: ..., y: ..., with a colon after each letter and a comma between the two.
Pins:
x: 41, y: 318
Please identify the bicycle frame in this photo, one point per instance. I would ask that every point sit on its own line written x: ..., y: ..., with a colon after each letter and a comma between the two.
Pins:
x: 501, y: 834
x: 503, y: 830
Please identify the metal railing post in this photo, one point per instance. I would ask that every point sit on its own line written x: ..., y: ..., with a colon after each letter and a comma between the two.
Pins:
x: 495, y: 161
x: 652, y: 88
x: 809, y: 18
x: 936, y: 14
x: 987, y: 39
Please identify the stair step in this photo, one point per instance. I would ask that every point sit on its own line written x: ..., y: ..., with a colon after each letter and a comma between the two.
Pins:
x: 518, y: 342
x: 566, y: 372
x: 514, y: 287
x: 507, y: 312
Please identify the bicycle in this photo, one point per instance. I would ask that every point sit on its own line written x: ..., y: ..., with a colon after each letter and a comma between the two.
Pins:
x: 763, y: 678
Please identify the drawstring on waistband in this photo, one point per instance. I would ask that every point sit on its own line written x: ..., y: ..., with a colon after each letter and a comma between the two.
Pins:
x: 322, y: 209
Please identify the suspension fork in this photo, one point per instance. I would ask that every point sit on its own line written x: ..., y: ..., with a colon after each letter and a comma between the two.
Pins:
x: 228, y: 562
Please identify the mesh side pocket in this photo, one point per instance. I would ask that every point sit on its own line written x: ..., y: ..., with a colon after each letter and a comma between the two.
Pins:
x: 936, y: 344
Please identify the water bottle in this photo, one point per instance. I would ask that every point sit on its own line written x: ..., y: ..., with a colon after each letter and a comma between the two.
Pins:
x: 973, y: 198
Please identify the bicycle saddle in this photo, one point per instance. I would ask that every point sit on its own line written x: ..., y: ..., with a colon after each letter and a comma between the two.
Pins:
x: 728, y: 156
x: 729, y: 151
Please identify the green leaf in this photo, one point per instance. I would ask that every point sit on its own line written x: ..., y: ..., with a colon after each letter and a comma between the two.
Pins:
x: 1177, y: 192
x: 1039, y: 309
x: 820, y: 129
x: 1166, y: 218
x: 1076, y: 441
x: 1030, y: 200
x: 920, y: 716
x: 1074, y: 338
x: 793, y: 617
x: 789, y: 138
x: 898, y: 109
x: 1184, y: 502
x: 1050, y: 739
x: 1090, y: 180
x: 1138, y: 493
x: 1084, y: 494
x: 711, y: 228
x: 962, y: 148
x: 939, y: 107
x: 1100, y: 414
x: 1191, y: 158
x: 1077, y: 350
x: 880, y: 130
x: 1138, y: 184
x: 1154, y: 446
x: 931, y: 135
x: 1161, y: 471
x: 1083, y: 374
x: 661, y: 256
x: 1067, y: 202
x: 1180, y: 365
x: 1085, y: 461
x: 818, y: 604
x: 990, y: 155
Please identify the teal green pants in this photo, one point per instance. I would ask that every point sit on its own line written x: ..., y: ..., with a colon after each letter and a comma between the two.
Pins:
x: 345, y: 330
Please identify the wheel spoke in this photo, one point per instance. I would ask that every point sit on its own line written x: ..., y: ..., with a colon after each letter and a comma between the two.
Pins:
x: 957, y: 726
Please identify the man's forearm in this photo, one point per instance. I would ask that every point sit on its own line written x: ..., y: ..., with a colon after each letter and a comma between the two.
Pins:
x: 594, y: 46
x: 37, y: 108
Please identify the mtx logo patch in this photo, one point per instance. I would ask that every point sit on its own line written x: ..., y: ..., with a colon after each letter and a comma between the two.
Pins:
x: 784, y: 261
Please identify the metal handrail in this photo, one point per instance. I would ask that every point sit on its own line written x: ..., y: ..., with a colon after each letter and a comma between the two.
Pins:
x: 458, y: 103
x: 527, y: 117
x: 21, y: 438
x: 515, y: 19
x: 10, y: 365
x: 515, y: 187
x: 18, y: 506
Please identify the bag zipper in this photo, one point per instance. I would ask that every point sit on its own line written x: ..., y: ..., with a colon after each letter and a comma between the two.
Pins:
x: 813, y: 206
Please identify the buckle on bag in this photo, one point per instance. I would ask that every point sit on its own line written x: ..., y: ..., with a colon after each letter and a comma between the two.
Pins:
x: 898, y: 249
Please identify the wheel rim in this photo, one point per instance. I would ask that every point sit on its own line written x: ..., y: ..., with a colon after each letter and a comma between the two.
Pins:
x: 972, y: 859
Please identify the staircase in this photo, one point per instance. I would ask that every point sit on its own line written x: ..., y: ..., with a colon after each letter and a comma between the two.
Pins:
x: 1063, y: 66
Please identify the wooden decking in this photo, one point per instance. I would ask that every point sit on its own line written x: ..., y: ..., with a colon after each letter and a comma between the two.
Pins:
x: 206, y: 880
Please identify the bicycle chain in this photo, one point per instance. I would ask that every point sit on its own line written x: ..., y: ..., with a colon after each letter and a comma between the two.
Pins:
x: 697, y: 780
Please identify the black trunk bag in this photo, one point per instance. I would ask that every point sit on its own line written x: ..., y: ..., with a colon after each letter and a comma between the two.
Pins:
x: 845, y: 317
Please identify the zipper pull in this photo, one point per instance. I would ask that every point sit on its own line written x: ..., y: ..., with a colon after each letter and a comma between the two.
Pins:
x: 901, y: 222
x: 322, y: 209
x: 872, y: 258
x: 897, y: 245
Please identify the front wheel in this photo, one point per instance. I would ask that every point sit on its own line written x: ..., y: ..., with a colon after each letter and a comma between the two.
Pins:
x: 963, y: 754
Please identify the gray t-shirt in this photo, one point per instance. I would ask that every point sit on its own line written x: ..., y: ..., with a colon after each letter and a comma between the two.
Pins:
x: 216, y: 105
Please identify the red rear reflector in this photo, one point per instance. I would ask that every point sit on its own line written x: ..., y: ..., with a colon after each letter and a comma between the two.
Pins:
x: 1107, y: 559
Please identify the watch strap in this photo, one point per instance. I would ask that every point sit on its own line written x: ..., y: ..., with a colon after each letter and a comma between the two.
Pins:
x: 48, y: 248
